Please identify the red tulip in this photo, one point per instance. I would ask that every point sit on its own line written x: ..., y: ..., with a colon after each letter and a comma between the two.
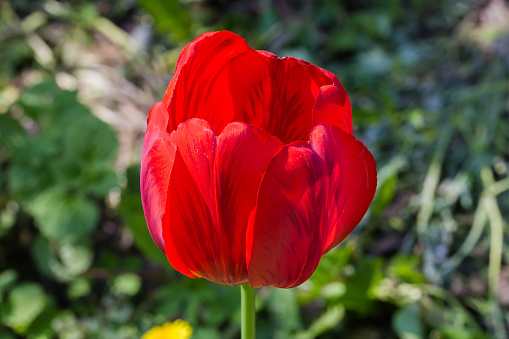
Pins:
x: 250, y: 171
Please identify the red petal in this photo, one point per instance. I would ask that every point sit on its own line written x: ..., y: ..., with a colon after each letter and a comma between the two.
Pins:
x: 156, y: 163
x: 214, y: 75
x: 285, y: 238
x: 330, y: 107
x: 282, y: 102
x: 189, y: 222
x: 243, y: 155
x: 211, y: 194
x: 186, y: 53
x: 352, y: 180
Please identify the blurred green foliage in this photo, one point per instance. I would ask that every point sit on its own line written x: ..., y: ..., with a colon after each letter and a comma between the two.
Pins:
x: 429, y: 87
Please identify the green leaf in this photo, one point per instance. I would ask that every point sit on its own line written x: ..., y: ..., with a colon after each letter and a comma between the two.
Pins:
x: 62, y: 261
x: 12, y: 135
x: 282, y: 304
x: 169, y: 16
x: 14, y: 53
x: 78, y: 287
x: 194, y: 298
x: 206, y: 333
x: 29, y: 173
x: 127, y: 283
x: 456, y: 332
x: 6, y: 335
x: 406, y: 268
x: 360, y: 286
x: 41, y: 326
x: 330, y: 267
x: 222, y: 303
x: 131, y: 211
x: 61, y: 215
x: 100, y: 147
x: 132, y: 175
x: 86, y: 163
x: 24, y: 303
x: 407, y: 322
x: 7, y: 278
x: 7, y: 220
x: 75, y: 258
x: 324, y: 323
x: 45, y: 101
x: 59, y: 152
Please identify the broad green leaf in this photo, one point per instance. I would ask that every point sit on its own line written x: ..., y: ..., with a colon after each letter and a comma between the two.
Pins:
x: 12, y: 135
x: 206, y: 333
x: 6, y: 335
x: 86, y: 162
x: 7, y: 278
x: 41, y: 326
x: 78, y: 287
x: 30, y: 173
x: 222, y: 305
x: 327, y: 321
x: 456, y: 332
x: 330, y: 268
x: 407, y: 322
x: 45, y: 102
x: 282, y: 304
x: 406, y: 268
x: 131, y: 211
x: 7, y: 220
x: 169, y: 16
x: 189, y: 298
x: 61, y: 215
x: 24, y: 303
x: 127, y: 283
x: 61, y: 261
x: 75, y: 258
x: 360, y: 286
x: 333, y: 290
x: 90, y: 139
x: 14, y: 53
x: 71, y: 147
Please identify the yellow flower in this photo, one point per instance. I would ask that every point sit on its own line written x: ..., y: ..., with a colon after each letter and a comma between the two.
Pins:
x: 179, y: 329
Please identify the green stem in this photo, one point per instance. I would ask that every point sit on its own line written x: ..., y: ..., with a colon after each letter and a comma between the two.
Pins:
x: 248, y: 312
x: 496, y: 250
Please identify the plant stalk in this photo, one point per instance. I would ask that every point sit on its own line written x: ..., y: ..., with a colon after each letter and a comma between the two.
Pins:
x: 248, y: 312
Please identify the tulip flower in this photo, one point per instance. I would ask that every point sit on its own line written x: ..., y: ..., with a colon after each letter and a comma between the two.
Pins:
x: 250, y: 171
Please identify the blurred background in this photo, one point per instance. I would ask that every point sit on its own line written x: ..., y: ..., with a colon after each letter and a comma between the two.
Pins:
x: 428, y: 81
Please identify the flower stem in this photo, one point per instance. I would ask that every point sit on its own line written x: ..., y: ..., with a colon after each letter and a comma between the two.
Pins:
x: 248, y: 312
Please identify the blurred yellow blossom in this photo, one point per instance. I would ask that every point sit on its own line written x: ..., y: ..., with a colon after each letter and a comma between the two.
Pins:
x: 179, y: 329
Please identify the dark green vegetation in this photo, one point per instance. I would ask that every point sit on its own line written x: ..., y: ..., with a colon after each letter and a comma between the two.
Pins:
x: 429, y: 87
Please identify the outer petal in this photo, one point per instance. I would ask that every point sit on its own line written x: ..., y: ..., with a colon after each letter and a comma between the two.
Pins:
x: 157, y: 161
x: 295, y: 95
x: 214, y: 75
x: 212, y: 191
x: 285, y: 237
x: 187, y: 52
x: 242, y: 157
x: 190, y: 220
x: 343, y: 100
x: 351, y: 170
x: 311, y: 197
x: 331, y: 107
x: 282, y: 102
